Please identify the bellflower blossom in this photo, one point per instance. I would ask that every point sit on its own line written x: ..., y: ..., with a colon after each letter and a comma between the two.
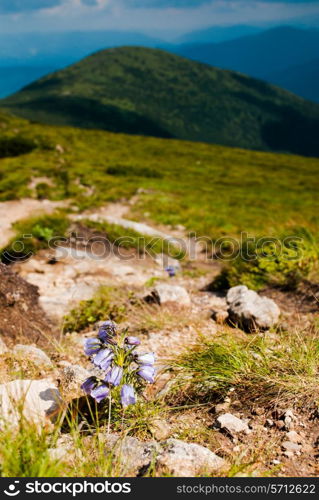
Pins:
x: 171, y: 271
x: 125, y: 371
x: 127, y: 395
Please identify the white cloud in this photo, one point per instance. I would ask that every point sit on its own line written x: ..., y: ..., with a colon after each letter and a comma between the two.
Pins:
x: 167, y: 17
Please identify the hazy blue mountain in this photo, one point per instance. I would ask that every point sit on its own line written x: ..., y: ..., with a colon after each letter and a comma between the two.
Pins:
x: 26, y: 57
x: 302, y: 79
x: 60, y: 49
x: 13, y: 79
x: 259, y: 55
x: 216, y: 34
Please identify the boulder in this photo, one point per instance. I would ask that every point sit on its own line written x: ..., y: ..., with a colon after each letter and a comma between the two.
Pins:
x: 249, y: 311
x: 178, y: 458
x: 39, y: 401
x: 32, y: 353
x: 182, y: 459
x: 163, y: 294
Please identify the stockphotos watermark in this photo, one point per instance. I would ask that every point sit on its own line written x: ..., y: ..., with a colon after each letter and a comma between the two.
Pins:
x: 72, y: 488
x: 128, y: 248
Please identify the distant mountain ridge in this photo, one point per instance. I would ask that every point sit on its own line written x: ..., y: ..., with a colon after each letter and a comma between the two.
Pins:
x: 265, y: 55
x: 302, y: 79
x: 281, y: 55
x: 152, y: 92
x: 218, y: 34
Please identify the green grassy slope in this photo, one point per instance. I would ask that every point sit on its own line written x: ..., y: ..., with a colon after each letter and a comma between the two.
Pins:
x: 151, y: 92
x: 213, y: 190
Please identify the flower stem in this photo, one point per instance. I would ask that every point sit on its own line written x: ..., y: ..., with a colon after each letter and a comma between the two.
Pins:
x: 109, y: 419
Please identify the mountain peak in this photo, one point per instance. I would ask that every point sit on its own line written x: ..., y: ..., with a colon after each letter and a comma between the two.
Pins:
x: 151, y: 92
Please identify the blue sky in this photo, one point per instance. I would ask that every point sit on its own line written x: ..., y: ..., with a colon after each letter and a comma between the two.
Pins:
x: 170, y: 17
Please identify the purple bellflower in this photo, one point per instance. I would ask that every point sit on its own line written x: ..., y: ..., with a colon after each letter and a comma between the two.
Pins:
x: 145, y: 359
x: 147, y: 373
x: 92, y: 346
x: 127, y: 395
x: 133, y: 341
x: 114, y: 376
x: 171, y: 271
x: 101, y: 392
x: 106, y: 331
x: 104, y: 358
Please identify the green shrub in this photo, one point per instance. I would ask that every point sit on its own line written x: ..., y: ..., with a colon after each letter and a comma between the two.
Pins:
x: 15, y: 146
x: 32, y: 235
x: 105, y: 303
x: 43, y: 191
x: 133, y: 171
x: 285, y: 263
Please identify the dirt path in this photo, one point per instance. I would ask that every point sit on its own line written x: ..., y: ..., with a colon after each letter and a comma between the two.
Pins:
x: 16, y: 210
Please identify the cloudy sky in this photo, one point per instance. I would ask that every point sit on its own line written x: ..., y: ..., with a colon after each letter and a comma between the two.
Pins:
x: 170, y: 17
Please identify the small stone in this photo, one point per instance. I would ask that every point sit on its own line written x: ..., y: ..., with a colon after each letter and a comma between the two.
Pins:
x: 276, y: 462
x: 3, y: 347
x: 289, y: 446
x: 293, y: 437
x: 307, y: 448
x: 160, y: 429
x: 280, y: 424
x: 163, y: 294
x: 258, y: 411
x: 219, y: 316
x: 269, y: 422
x: 231, y: 424
x: 222, y: 407
x: 182, y: 459
x: 32, y: 353
x: 289, y: 414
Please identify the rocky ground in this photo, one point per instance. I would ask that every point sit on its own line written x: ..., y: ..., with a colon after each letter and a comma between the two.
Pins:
x: 171, y: 316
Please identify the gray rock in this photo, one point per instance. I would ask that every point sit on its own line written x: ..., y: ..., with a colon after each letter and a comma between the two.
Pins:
x: 163, y: 294
x: 160, y: 429
x: 72, y: 377
x: 250, y: 311
x: 32, y: 353
x: 182, y: 459
x: 65, y: 450
x: 232, y: 424
x: 3, y: 347
x: 220, y: 316
x: 290, y: 447
x: 222, y: 407
x: 294, y: 437
x: 39, y: 401
x: 130, y: 456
